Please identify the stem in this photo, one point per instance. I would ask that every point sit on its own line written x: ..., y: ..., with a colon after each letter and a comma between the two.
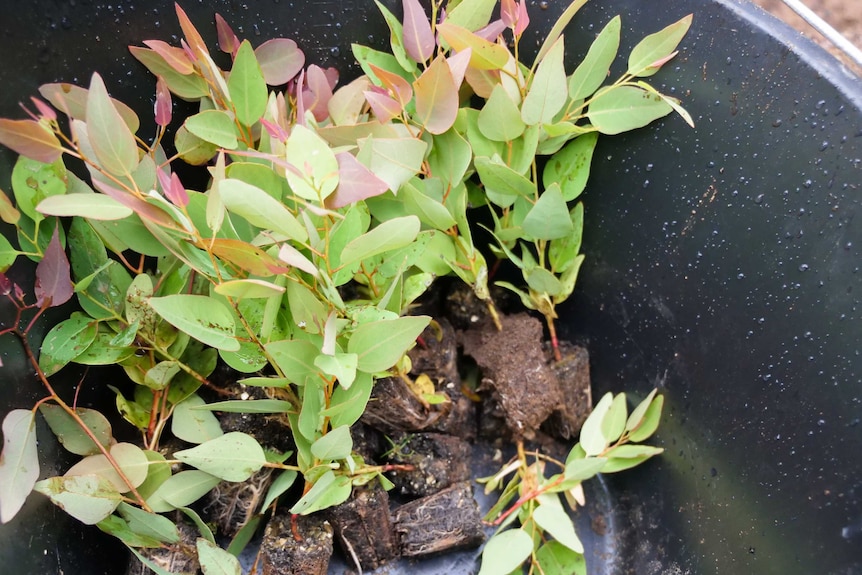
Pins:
x: 555, y: 344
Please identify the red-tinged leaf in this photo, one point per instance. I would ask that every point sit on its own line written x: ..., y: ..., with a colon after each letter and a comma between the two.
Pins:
x: 8, y: 213
x: 175, y: 57
x: 193, y: 37
x: 244, y: 256
x: 6, y: 284
x: 300, y: 102
x: 44, y: 109
x: 384, y: 106
x: 523, y: 19
x: 436, y: 97
x: 111, y: 139
x: 332, y: 76
x: 31, y: 139
x: 72, y: 101
x: 53, y: 276
x: 418, y: 37
x: 292, y: 256
x: 398, y: 87
x: 280, y: 60
x: 143, y: 209
x: 274, y: 130
x: 355, y: 182
x: 492, y: 31
x: 163, y: 108
x: 227, y: 39
x: 317, y: 92
x: 458, y: 65
x: 509, y: 12
x: 485, y: 56
x: 482, y: 81
x: 173, y: 188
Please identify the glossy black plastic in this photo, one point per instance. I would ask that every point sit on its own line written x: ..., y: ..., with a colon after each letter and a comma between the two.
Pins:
x: 722, y: 266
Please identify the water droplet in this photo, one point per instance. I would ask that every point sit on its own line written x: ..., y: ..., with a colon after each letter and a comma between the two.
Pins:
x: 803, y: 267
x: 740, y: 276
x: 807, y: 183
x: 649, y: 167
x: 759, y: 199
x: 824, y: 145
x: 646, y: 184
x: 335, y: 51
x: 543, y: 5
x: 776, y: 124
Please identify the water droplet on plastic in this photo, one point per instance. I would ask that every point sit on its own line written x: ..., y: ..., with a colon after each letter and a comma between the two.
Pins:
x: 807, y: 183
x: 759, y: 199
x: 803, y: 267
x: 335, y: 51
x: 649, y: 167
x: 776, y: 124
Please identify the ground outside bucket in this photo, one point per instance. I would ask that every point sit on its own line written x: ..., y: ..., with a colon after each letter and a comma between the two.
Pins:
x: 722, y: 266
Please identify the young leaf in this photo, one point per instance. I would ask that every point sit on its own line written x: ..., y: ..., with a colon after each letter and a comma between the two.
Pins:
x: 554, y: 520
x: 381, y: 344
x: 505, y: 551
x: 246, y: 86
x: 329, y: 490
x: 203, y: 318
x: 91, y: 206
x: 593, y: 70
x: 548, y: 91
x: 233, y: 456
x: 391, y: 234
x: 317, y: 169
x: 500, y: 119
x: 19, y: 461
x: 484, y: 55
x: 245, y: 256
x: 53, y: 277
x: 113, y: 142
x: 213, y: 126
x: 335, y: 445
x: 355, y: 182
x: 592, y: 440
x: 614, y: 422
x: 393, y: 160
x: 418, y: 38
x: 280, y: 60
x: 396, y: 39
x: 227, y: 39
x: 570, y: 167
x: 436, y: 97
x: 190, y: 87
x: 181, y: 489
x: 648, y: 424
x: 623, y: 108
x: 549, y: 218
x: 87, y: 498
x: 650, y: 53
x: 260, y: 209
x: 176, y: 58
x: 66, y: 341
x: 194, y: 425
x: 471, y: 14
x: 8, y: 213
x: 31, y: 139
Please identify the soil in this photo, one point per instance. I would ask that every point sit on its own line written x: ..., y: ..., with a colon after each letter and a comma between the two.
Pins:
x: 843, y: 15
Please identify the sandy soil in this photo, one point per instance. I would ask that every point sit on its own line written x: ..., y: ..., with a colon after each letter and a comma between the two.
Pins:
x: 843, y: 15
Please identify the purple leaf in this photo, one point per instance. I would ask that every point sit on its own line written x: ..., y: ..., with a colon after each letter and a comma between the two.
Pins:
x: 458, y: 65
x: 143, y: 209
x: 163, y: 107
x: 492, y: 31
x: 30, y: 139
x: 5, y: 285
x: 45, y: 110
x: 280, y: 60
x: 398, y: 87
x: 174, y: 57
x: 173, y: 188
x: 53, y: 281
x: 509, y: 12
x: 418, y: 37
x: 523, y: 18
x: 227, y: 40
x: 274, y: 130
x: 383, y: 105
x: 317, y: 92
x: 355, y: 182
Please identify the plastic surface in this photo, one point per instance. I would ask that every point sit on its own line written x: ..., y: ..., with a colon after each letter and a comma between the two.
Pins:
x: 722, y: 266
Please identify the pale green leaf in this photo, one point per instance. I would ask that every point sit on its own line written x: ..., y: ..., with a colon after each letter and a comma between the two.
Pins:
x: 216, y: 561
x: 203, y: 318
x: 248, y: 406
x: 592, y: 439
x: 651, y: 52
x: 295, y: 358
x: 149, y: 524
x: 430, y: 211
x: 340, y: 365
x: 505, y: 552
x: 279, y: 485
x: 548, y: 91
x: 66, y: 341
x: 247, y: 88
x: 647, y: 425
x: 472, y: 14
x: 335, y: 445
x: 549, y: 218
x: 93, y: 206
x: 380, y: 344
x: 389, y: 235
x: 260, y: 209
x: 113, y: 142
x: 554, y: 520
x: 557, y: 29
x: 194, y: 425
x: 19, y: 461
x: 554, y: 558
x: 570, y: 167
x: 541, y: 281
x: 234, y: 456
x: 329, y: 490
x: 213, y: 126
x: 181, y: 489
x: 315, y: 163
x: 502, y: 184
x: 614, y: 422
x: 628, y: 456
x: 159, y: 472
x: 593, y: 70
x: 8, y: 254
x: 500, y: 119
x: 249, y: 288
x: 623, y: 108
x: 87, y: 498
x: 69, y: 432
x: 347, y: 405
x: 130, y: 458
x: 393, y: 160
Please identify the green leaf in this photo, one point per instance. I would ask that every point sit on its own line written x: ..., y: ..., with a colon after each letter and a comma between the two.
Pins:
x: 592, y: 440
x: 248, y: 406
x: 563, y: 252
x: 502, y: 184
x: 570, y: 167
x: 66, y: 341
x: 436, y: 96
x: 295, y: 358
x: 654, y: 50
x: 329, y: 490
x: 554, y: 558
x: 93, y: 206
x: 152, y: 566
x: 391, y: 234
x: 213, y: 559
x: 578, y: 470
x: 340, y: 365
x: 87, y: 498
x: 33, y: 181
x: 614, y: 422
x: 623, y: 108
x: 628, y: 456
x: 234, y: 456
x: 393, y: 160
x: 554, y: 520
x: 347, y: 405
x: 249, y: 288
x: 159, y: 472
x: 500, y: 119
x: 130, y: 458
x: 541, y: 281
x: 190, y: 87
x: 279, y: 485
x: 119, y: 528
x: 644, y: 426
x: 194, y: 425
x: 472, y: 14
x: 557, y: 29
x: 149, y: 524
x: 549, y: 218
x: 315, y: 163
x: 113, y: 142
x: 8, y: 254
x: 19, y: 461
x: 260, y: 209
x: 193, y: 150
x: 213, y: 126
x: 548, y: 91
x: 181, y: 489
x: 505, y: 552
x: 381, y: 344
x: 593, y: 70
x: 335, y: 445
x: 203, y: 318
x: 248, y: 92
x: 484, y: 55
x: 69, y: 432
x: 430, y: 211
x: 449, y: 158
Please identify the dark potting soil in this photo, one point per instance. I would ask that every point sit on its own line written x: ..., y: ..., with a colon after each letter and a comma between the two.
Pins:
x: 296, y: 544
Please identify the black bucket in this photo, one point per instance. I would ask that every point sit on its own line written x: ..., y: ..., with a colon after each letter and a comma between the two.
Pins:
x: 722, y: 266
